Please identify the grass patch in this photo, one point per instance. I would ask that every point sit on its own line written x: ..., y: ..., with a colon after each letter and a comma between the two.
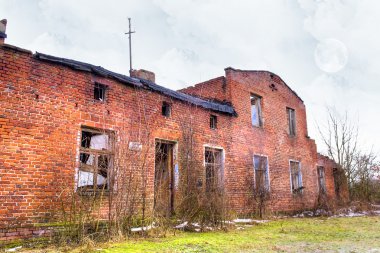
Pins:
x: 291, y: 235
x: 358, y: 234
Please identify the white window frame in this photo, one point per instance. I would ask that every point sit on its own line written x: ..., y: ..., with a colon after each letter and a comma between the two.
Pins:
x: 211, y: 146
x: 300, y: 173
x: 258, y: 109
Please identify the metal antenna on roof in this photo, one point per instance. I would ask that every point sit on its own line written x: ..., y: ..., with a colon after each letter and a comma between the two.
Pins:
x: 130, y: 46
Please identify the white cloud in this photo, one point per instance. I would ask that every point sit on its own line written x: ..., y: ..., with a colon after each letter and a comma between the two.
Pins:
x: 188, y: 41
x: 354, y: 89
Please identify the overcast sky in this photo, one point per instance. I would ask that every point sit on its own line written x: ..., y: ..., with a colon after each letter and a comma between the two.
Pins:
x: 328, y: 51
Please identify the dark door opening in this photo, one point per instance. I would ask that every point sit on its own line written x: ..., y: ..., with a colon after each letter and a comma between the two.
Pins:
x: 337, y: 182
x: 164, y: 179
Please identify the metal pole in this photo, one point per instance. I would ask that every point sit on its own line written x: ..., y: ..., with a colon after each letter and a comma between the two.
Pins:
x: 130, y: 47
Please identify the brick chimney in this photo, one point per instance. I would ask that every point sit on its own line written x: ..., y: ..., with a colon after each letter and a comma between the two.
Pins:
x: 3, y: 26
x: 143, y: 74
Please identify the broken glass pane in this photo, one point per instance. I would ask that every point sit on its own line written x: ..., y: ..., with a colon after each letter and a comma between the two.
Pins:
x: 87, y: 159
x: 97, y: 141
x: 296, y: 177
x: 255, y: 110
x: 255, y: 116
x: 85, y: 179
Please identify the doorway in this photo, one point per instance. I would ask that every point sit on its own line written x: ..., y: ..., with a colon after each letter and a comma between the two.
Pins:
x: 164, y: 178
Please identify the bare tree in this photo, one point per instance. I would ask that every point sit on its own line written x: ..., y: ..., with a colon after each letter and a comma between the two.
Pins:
x: 365, y: 184
x: 202, y: 197
x: 341, y: 140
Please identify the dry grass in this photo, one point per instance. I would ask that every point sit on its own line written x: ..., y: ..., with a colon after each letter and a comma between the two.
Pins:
x: 359, y: 234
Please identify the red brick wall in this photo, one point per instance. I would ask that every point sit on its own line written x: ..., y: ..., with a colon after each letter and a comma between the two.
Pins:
x: 271, y: 140
x: 213, y: 89
x: 44, y: 105
x: 329, y: 166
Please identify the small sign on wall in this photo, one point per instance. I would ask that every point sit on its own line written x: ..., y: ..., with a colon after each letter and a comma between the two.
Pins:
x: 135, y: 146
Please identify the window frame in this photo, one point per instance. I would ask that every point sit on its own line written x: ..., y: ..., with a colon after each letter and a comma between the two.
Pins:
x: 300, y: 188
x: 166, y: 109
x: 322, y: 185
x: 94, y: 168
x: 220, y: 173
x: 291, y: 118
x: 267, y: 176
x: 102, y: 95
x: 213, y: 121
x: 258, y: 106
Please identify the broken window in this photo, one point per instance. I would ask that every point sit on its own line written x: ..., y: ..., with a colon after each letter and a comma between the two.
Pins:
x: 291, y: 121
x: 213, y: 121
x: 261, y: 173
x: 256, y: 110
x: 100, y: 92
x: 96, y: 157
x: 321, y: 179
x: 166, y: 109
x: 214, y: 169
x: 296, y: 177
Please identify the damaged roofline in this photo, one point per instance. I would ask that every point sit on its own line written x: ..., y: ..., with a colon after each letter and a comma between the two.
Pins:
x: 269, y: 72
x: 222, y: 108
x: 82, y: 66
x: 138, y: 82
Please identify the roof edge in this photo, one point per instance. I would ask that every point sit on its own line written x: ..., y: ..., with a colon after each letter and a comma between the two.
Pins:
x: 138, y: 82
x: 204, y: 82
x: 82, y: 66
x: 19, y: 49
x: 269, y: 72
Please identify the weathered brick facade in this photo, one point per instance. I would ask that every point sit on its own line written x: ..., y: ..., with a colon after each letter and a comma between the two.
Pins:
x: 45, y: 104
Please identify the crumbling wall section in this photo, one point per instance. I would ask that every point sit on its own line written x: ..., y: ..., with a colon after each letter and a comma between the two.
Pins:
x: 336, y: 182
x: 215, y: 89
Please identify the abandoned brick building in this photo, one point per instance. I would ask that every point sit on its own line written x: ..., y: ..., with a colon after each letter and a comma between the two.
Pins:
x: 68, y: 124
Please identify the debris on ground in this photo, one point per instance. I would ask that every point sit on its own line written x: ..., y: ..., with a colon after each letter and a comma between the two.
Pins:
x: 238, y: 223
x: 351, y: 211
x: 13, y: 249
x: 140, y: 229
x: 192, y: 227
x: 242, y: 223
x: 250, y: 221
x: 182, y: 225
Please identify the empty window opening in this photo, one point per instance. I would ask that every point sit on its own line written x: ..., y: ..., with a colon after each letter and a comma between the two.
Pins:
x: 214, y: 169
x: 100, y: 92
x: 291, y: 121
x: 296, y: 177
x: 96, y: 156
x: 256, y: 111
x: 321, y: 179
x: 166, y: 109
x: 213, y: 121
x: 261, y: 173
